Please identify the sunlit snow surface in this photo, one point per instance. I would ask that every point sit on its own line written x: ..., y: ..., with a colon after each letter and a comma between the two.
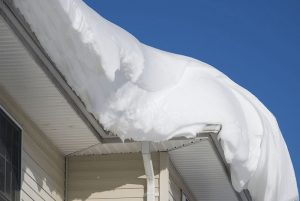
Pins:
x: 143, y: 93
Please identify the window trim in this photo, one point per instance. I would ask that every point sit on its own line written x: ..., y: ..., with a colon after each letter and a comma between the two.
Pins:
x: 11, y: 117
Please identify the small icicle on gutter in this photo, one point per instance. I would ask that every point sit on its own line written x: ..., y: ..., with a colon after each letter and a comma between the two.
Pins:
x: 149, y: 171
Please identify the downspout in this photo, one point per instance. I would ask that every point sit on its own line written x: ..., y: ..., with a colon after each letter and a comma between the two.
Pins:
x: 149, y: 171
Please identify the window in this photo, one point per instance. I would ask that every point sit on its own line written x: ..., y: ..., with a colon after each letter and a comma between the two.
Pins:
x: 10, y: 158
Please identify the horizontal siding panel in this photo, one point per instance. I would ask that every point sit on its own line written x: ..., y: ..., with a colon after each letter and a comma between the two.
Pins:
x: 110, y: 183
x: 34, y: 175
x: 109, y: 177
x: 51, y: 166
x: 44, y: 190
x: 110, y: 166
x: 25, y: 197
x: 33, y: 169
x: 110, y: 194
x: 29, y: 191
x: 112, y: 157
x: 118, y: 199
x: 38, y: 190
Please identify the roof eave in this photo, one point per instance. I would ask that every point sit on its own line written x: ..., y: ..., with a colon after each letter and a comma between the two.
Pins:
x: 22, y: 29
x: 29, y: 40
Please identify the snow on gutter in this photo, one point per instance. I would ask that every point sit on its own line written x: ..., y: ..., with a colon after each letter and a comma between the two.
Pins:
x: 146, y: 94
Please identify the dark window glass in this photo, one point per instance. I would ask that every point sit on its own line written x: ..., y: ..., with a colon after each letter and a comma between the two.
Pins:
x: 8, y: 179
x: 2, y: 174
x: 2, y: 136
x: 9, y: 139
x: 10, y: 159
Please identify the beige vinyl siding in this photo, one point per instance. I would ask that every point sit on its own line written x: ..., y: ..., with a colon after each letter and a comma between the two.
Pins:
x: 42, y: 175
x: 109, y: 177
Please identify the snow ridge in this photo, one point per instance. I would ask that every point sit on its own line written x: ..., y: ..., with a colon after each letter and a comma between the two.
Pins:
x: 143, y: 93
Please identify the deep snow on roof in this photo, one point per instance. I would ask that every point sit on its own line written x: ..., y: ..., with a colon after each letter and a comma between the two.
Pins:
x: 146, y: 94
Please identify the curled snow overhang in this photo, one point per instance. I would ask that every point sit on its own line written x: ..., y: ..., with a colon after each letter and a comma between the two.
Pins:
x: 23, y: 31
x: 250, y: 133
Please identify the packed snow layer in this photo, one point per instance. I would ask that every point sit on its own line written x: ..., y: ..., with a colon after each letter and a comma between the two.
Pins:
x: 143, y: 93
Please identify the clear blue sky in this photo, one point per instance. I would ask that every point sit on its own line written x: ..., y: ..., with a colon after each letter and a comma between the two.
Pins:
x: 255, y: 43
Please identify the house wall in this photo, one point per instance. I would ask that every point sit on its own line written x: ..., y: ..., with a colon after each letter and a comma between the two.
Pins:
x: 112, y: 177
x: 42, y: 175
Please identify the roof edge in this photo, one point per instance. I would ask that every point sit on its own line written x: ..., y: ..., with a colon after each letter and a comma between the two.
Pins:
x: 22, y: 29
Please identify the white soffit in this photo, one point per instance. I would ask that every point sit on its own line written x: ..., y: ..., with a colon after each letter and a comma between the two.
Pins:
x: 203, y: 172
x: 37, y: 96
